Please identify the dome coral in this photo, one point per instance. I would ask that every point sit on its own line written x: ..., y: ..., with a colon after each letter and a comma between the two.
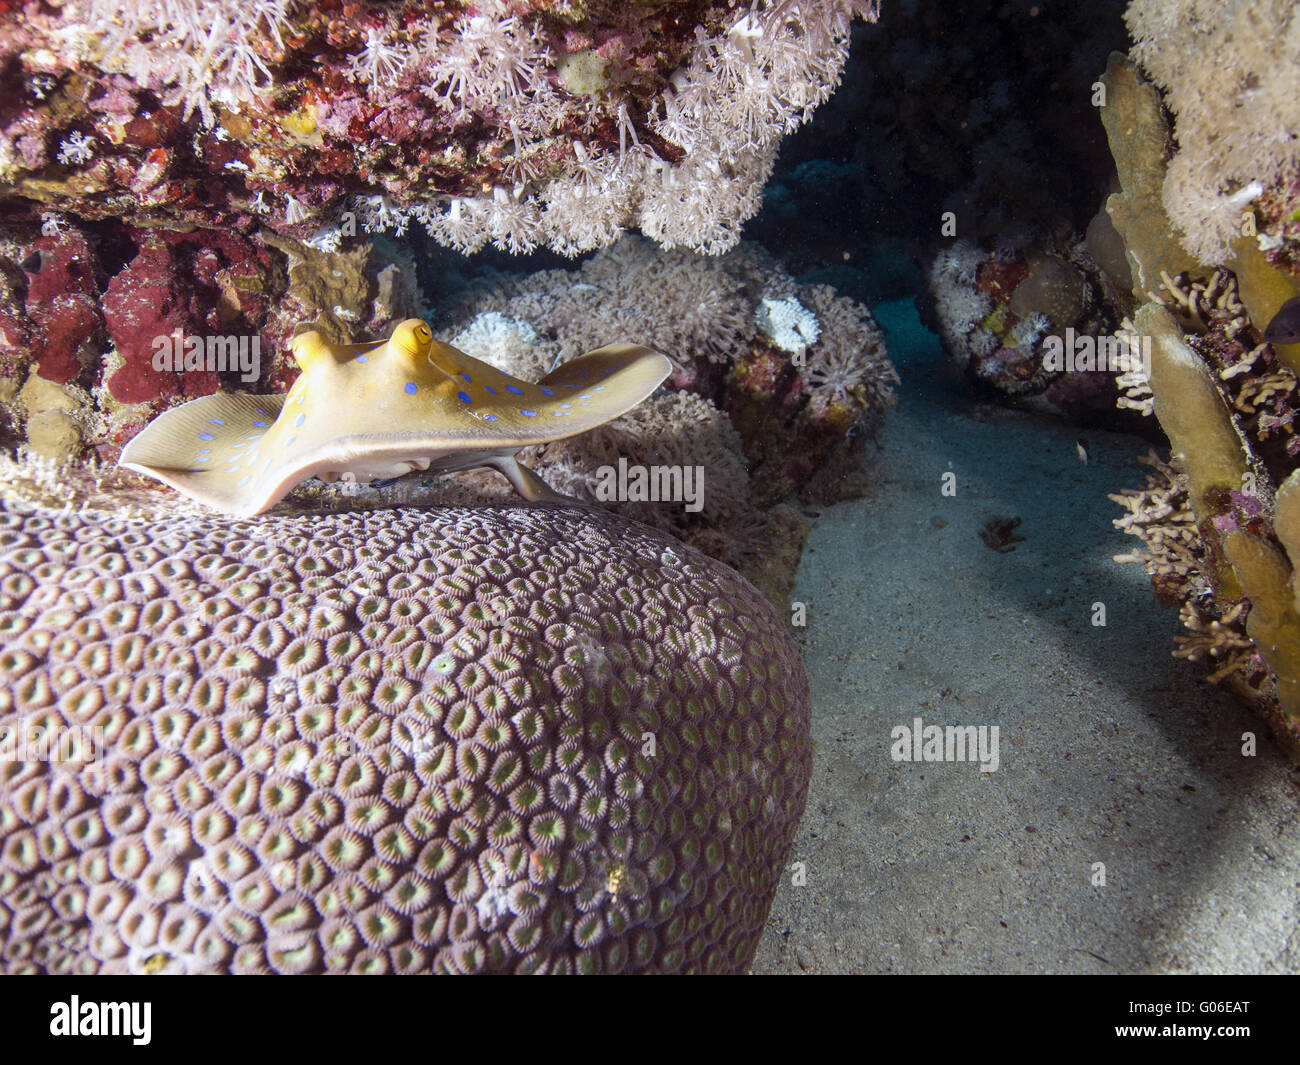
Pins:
x: 493, y: 739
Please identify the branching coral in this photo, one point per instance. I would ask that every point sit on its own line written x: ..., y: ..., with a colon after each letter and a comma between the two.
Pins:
x: 1160, y: 515
x: 1258, y: 384
x: 1219, y: 538
x: 1198, y: 303
x: 1218, y: 641
x: 1134, y: 383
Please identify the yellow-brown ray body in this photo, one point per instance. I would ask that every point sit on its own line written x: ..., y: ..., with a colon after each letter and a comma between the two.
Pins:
x: 370, y: 411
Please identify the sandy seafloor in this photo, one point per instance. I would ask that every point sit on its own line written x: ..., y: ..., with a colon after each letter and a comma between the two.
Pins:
x: 1111, y: 750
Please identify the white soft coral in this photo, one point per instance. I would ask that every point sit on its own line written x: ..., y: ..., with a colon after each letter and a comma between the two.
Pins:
x: 379, y: 64
x: 728, y: 108
x: 495, y: 55
x: 379, y: 214
x: 204, y: 51
x: 76, y: 148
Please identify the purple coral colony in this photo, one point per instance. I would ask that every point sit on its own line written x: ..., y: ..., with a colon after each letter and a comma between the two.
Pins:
x: 388, y: 716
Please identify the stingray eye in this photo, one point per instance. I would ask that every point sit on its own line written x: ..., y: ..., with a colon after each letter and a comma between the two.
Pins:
x: 422, y: 332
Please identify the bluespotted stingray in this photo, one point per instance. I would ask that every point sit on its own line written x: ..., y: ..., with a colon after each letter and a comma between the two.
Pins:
x: 375, y: 411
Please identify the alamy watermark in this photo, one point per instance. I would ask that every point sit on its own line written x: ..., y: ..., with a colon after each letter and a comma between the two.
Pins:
x: 946, y: 743
x: 175, y: 352
x: 1079, y: 353
x: 77, y: 1018
x: 58, y: 743
x: 629, y: 483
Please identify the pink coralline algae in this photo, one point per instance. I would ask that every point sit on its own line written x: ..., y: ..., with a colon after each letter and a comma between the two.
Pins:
x: 177, y: 285
x: 62, y: 303
x: 516, y: 122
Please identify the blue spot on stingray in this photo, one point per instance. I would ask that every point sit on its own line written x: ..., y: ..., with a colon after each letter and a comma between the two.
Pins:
x: 267, y: 466
x: 363, y: 358
x: 564, y: 406
x: 561, y: 414
x: 516, y: 391
x: 468, y: 380
x: 299, y: 420
x: 260, y: 425
x: 491, y: 389
x: 546, y: 391
x: 489, y: 417
x: 259, y: 410
x: 236, y: 447
x: 606, y: 373
x: 290, y: 441
x: 410, y: 388
x: 599, y: 388
x: 243, y: 481
x: 205, y: 436
x: 528, y: 413
x: 464, y: 397
x: 216, y: 421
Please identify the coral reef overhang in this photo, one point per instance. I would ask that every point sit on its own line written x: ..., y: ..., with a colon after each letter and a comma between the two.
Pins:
x: 520, y: 122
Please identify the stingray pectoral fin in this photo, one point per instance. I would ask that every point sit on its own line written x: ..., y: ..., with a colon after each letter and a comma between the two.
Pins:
x: 526, y: 482
x: 191, y: 446
x: 620, y: 375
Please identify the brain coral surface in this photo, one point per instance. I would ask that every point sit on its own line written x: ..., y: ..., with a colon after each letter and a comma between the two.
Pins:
x: 492, y: 739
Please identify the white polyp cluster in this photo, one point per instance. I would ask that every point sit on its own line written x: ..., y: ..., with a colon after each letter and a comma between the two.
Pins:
x: 788, y: 323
